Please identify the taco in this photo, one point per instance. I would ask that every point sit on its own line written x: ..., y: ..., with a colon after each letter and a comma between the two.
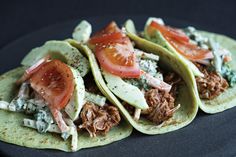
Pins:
x: 210, y: 57
x: 151, y: 95
x: 52, y: 102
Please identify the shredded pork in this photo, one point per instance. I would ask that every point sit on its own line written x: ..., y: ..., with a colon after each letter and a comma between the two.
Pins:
x: 99, y: 120
x: 174, y: 80
x: 161, y: 106
x: 211, y: 85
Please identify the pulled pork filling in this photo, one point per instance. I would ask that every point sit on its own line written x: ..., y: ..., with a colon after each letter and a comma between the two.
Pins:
x: 99, y: 120
x: 161, y: 106
x: 211, y: 85
x: 174, y: 80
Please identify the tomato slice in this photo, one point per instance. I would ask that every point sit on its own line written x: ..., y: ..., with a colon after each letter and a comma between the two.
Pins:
x: 181, y: 42
x: 118, y: 60
x: 54, y: 82
x: 190, y: 51
x: 170, y: 32
x: 115, y: 52
x: 109, y: 35
x: 106, y: 38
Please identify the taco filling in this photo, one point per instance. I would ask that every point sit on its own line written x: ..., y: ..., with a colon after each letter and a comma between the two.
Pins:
x: 134, y: 76
x: 57, y: 100
x: 208, y: 60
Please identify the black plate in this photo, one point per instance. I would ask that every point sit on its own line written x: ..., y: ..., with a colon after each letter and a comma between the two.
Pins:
x: 208, y: 135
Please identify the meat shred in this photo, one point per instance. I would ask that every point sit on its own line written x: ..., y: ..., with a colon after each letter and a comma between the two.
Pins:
x: 161, y: 106
x: 174, y: 80
x: 99, y: 120
x: 129, y: 108
x: 211, y: 85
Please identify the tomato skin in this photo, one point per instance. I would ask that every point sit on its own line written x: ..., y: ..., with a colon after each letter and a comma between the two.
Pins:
x: 170, y: 32
x: 117, y: 67
x: 108, y: 35
x: 54, y: 82
x: 106, y: 38
x: 181, y: 42
x: 115, y: 52
x: 190, y: 51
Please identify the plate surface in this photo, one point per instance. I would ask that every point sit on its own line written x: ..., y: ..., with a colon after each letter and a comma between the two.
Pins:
x: 207, y: 135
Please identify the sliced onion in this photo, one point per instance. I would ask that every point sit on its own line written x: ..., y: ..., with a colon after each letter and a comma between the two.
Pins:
x: 204, y: 62
x: 35, y: 67
x: 156, y: 83
x: 57, y: 115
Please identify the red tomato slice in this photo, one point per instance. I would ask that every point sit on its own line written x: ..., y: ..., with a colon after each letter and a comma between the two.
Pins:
x: 54, y: 82
x: 190, y: 51
x: 118, y: 60
x: 115, y: 52
x: 180, y: 42
x: 106, y: 38
x: 170, y: 32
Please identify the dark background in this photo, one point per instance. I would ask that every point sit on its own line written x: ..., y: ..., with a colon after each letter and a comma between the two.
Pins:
x: 19, y: 18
